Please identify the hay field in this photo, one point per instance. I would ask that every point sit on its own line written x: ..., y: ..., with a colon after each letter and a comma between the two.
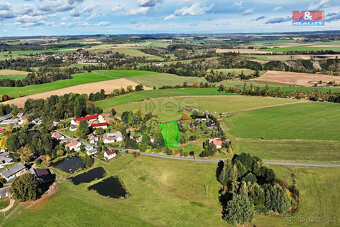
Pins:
x: 298, y: 79
x: 108, y: 86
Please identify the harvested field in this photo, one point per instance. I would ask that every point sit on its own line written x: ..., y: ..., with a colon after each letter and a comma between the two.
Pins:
x: 108, y: 86
x: 298, y: 79
x: 245, y: 51
x: 303, y: 57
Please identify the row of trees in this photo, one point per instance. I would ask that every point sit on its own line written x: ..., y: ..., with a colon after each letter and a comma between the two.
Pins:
x: 247, y: 185
x: 315, y: 95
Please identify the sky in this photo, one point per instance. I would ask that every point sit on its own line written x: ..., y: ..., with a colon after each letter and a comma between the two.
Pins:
x: 86, y: 17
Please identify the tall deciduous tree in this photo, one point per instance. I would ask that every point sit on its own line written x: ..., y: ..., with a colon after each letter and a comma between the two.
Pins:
x: 25, y: 187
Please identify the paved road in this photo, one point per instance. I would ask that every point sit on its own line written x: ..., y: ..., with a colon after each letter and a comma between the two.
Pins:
x: 217, y: 160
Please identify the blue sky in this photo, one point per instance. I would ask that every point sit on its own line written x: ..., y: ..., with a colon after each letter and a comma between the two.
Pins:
x: 78, y: 17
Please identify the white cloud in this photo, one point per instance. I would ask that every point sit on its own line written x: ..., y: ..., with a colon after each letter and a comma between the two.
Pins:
x: 103, y: 23
x: 319, y: 5
x: 194, y: 10
x: 141, y: 10
x: 278, y: 8
x: 248, y: 12
x: 238, y: 4
x: 5, y: 6
x: 118, y: 8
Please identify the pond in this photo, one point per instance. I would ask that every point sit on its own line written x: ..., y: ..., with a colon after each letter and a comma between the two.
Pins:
x: 89, y: 176
x: 110, y: 187
x: 70, y: 165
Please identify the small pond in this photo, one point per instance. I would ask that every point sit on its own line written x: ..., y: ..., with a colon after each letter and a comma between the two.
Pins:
x: 70, y: 165
x: 89, y: 176
x: 110, y: 187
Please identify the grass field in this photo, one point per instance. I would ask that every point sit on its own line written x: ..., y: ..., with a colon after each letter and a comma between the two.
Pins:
x: 132, y: 52
x: 160, y: 80
x: 301, y: 48
x: 316, y: 151
x: 12, y: 74
x: 16, y: 54
x: 237, y: 72
x: 313, y: 121
x: 167, y: 108
x: 82, y: 78
x: 171, y: 193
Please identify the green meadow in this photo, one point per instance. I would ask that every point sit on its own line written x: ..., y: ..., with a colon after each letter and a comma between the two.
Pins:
x: 313, y: 151
x: 309, y: 121
x: 167, y: 107
x: 77, y: 79
x: 172, y: 193
x: 301, y: 48
x: 16, y: 54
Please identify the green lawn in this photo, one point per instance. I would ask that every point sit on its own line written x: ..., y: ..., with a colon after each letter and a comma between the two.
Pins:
x: 81, y: 78
x: 4, y: 202
x: 167, y: 108
x: 316, y: 151
x: 171, y: 193
x: 314, y: 121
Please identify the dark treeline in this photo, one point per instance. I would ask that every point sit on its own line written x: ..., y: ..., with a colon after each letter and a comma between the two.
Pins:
x: 25, y: 64
x: 36, y: 78
x: 7, y: 109
x: 61, y: 107
x: 186, y: 85
x: 311, y: 95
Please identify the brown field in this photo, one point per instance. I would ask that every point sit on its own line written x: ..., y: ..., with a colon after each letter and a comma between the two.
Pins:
x: 298, y: 79
x: 242, y: 51
x: 108, y: 86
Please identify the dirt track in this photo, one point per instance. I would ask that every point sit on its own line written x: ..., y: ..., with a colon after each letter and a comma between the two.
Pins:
x: 108, y: 86
x: 298, y: 79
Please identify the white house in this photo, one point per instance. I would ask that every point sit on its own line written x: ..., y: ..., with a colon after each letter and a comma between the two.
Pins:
x: 5, y: 159
x: 58, y: 135
x: 90, y: 150
x: 112, y: 137
x: 94, y: 139
x: 4, y: 192
x: 74, y: 145
x: 111, y: 153
x: 73, y: 128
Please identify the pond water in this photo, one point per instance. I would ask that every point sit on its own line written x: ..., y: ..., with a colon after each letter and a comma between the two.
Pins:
x: 89, y: 176
x: 70, y: 165
x: 109, y: 187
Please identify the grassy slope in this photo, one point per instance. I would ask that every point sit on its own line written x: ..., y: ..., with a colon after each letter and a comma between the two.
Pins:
x: 82, y: 78
x: 314, y: 121
x: 301, y: 48
x: 166, y: 108
x: 16, y: 54
x: 292, y: 150
x: 160, y: 80
x: 169, y: 193
x: 140, y: 96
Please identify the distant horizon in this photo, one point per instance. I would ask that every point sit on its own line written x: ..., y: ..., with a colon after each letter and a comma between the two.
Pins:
x: 88, y: 17
x: 186, y: 34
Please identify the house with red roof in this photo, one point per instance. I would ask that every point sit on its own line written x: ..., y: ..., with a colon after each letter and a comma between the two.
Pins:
x: 217, y: 142
x: 99, y: 125
x: 74, y: 145
x: 110, y: 153
x: 87, y: 118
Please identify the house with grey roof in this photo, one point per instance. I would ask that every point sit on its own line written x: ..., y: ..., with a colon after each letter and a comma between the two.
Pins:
x: 5, y: 159
x: 13, y: 171
x: 6, y: 117
x: 4, y: 192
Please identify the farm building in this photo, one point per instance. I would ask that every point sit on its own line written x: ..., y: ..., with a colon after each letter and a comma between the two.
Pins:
x: 13, y: 171
x: 111, y: 153
x: 112, y: 137
x: 43, y: 175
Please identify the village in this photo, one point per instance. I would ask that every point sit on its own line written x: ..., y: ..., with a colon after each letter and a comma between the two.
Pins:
x: 99, y: 136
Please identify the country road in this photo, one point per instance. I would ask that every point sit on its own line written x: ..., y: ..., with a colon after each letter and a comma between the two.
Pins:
x: 217, y: 160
